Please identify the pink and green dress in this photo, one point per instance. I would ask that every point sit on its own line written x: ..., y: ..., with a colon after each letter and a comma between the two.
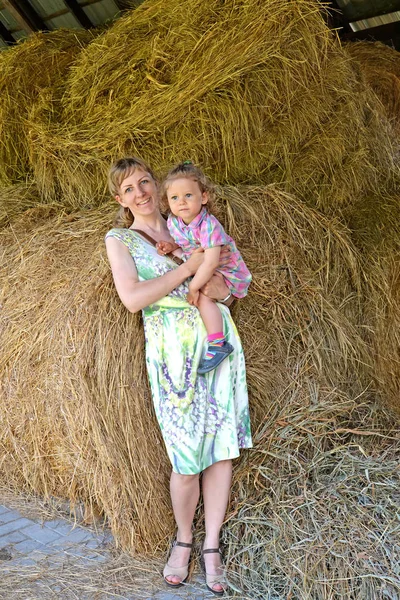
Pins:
x: 203, y: 419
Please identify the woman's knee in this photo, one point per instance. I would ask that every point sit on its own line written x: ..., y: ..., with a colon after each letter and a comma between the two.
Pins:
x: 184, y: 480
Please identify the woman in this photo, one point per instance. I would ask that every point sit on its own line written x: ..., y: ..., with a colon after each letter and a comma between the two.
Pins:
x: 204, y: 420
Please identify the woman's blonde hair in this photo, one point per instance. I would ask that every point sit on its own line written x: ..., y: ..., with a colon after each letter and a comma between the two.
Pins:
x: 119, y: 171
x: 187, y: 170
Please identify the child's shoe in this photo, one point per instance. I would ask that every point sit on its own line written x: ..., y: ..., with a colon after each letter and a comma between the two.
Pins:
x: 219, y: 352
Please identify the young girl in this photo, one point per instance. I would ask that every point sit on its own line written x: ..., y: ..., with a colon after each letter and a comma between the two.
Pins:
x: 188, y: 192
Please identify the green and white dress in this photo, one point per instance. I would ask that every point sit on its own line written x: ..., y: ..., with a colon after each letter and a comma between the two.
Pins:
x: 203, y: 418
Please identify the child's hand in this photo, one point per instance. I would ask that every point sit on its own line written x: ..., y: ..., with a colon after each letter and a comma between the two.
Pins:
x: 193, y: 297
x: 164, y: 248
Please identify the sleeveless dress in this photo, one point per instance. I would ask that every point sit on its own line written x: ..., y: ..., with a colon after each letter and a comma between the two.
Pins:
x: 203, y: 418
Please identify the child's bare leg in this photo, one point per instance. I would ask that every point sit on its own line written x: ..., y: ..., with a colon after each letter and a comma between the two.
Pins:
x: 218, y: 348
x: 210, y: 314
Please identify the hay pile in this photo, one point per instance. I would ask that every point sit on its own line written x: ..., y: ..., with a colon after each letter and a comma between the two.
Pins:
x: 380, y: 65
x: 15, y: 199
x: 77, y: 414
x: 375, y: 230
x: 29, y: 72
x: 257, y: 92
x: 254, y: 91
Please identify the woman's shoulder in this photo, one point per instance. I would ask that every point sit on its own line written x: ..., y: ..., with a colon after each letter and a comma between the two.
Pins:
x: 119, y: 233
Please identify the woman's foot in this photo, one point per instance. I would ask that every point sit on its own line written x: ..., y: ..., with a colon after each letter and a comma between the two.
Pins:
x: 214, y: 570
x: 177, y: 568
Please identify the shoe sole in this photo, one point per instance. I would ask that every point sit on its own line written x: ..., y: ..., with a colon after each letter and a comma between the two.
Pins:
x: 203, y: 371
x: 176, y: 585
x: 215, y: 591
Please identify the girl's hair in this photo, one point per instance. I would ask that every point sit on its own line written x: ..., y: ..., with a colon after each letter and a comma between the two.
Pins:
x: 119, y: 171
x: 187, y: 170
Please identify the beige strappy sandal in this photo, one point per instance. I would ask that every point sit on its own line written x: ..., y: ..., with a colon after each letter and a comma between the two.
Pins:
x: 212, y: 580
x: 181, y: 572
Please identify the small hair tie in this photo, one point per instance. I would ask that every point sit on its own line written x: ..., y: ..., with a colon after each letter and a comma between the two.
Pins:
x: 187, y: 162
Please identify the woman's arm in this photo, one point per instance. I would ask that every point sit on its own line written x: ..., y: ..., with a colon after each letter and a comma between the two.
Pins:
x: 136, y: 294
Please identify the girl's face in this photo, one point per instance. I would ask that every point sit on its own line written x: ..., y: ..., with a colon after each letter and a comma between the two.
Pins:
x: 138, y: 192
x: 185, y: 199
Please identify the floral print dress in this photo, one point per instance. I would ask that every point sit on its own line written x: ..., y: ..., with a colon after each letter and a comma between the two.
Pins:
x: 203, y: 418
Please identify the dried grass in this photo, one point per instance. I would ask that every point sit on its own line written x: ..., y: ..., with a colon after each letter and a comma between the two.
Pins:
x: 77, y: 416
x: 380, y: 65
x: 18, y: 198
x: 375, y: 231
x: 325, y: 522
x: 256, y: 92
x: 36, y: 67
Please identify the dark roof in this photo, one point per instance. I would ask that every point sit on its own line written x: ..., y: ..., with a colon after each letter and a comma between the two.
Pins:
x: 19, y: 18
x: 354, y: 19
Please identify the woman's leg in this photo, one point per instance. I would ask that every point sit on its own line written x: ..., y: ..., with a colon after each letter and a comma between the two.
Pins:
x: 216, y: 484
x: 184, y: 496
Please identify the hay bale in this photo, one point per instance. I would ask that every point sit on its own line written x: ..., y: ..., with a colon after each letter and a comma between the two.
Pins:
x: 15, y: 199
x: 384, y: 306
x: 34, y: 67
x: 380, y: 65
x: 76, y: 405
x: 374, y: 223
x: 255, y: 92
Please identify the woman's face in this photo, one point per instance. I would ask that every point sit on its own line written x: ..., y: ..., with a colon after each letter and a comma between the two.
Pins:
x: 138, y: 192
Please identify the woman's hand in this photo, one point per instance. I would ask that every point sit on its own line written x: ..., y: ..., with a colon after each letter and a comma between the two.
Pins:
x: 225, y: 256
x: 216, y: 288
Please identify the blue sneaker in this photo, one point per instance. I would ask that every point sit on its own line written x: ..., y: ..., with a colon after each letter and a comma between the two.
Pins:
x: 220, y: 353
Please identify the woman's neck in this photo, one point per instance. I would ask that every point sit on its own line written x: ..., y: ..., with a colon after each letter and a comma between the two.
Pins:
x: 154, y: 223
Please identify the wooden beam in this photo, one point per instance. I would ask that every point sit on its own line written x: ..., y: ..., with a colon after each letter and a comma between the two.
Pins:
x: 18, y: 15
x: 6, y: 35
x: 66, y: 11
x: 79, y: 13
x: 31, y: 15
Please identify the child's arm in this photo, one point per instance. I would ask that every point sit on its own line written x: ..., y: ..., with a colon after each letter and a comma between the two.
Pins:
x: 164, y: 247
x: 204, y: 273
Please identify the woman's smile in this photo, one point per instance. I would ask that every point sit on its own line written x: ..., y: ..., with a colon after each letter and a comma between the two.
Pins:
x: 138, y: 191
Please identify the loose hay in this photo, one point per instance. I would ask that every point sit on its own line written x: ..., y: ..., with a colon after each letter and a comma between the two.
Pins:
x: 321, y: 525
x: 77, y: 414
x: 254, y: 91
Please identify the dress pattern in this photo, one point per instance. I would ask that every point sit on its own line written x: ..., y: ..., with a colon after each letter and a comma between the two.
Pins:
x: 205, y: 418
x: 206, y: 231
